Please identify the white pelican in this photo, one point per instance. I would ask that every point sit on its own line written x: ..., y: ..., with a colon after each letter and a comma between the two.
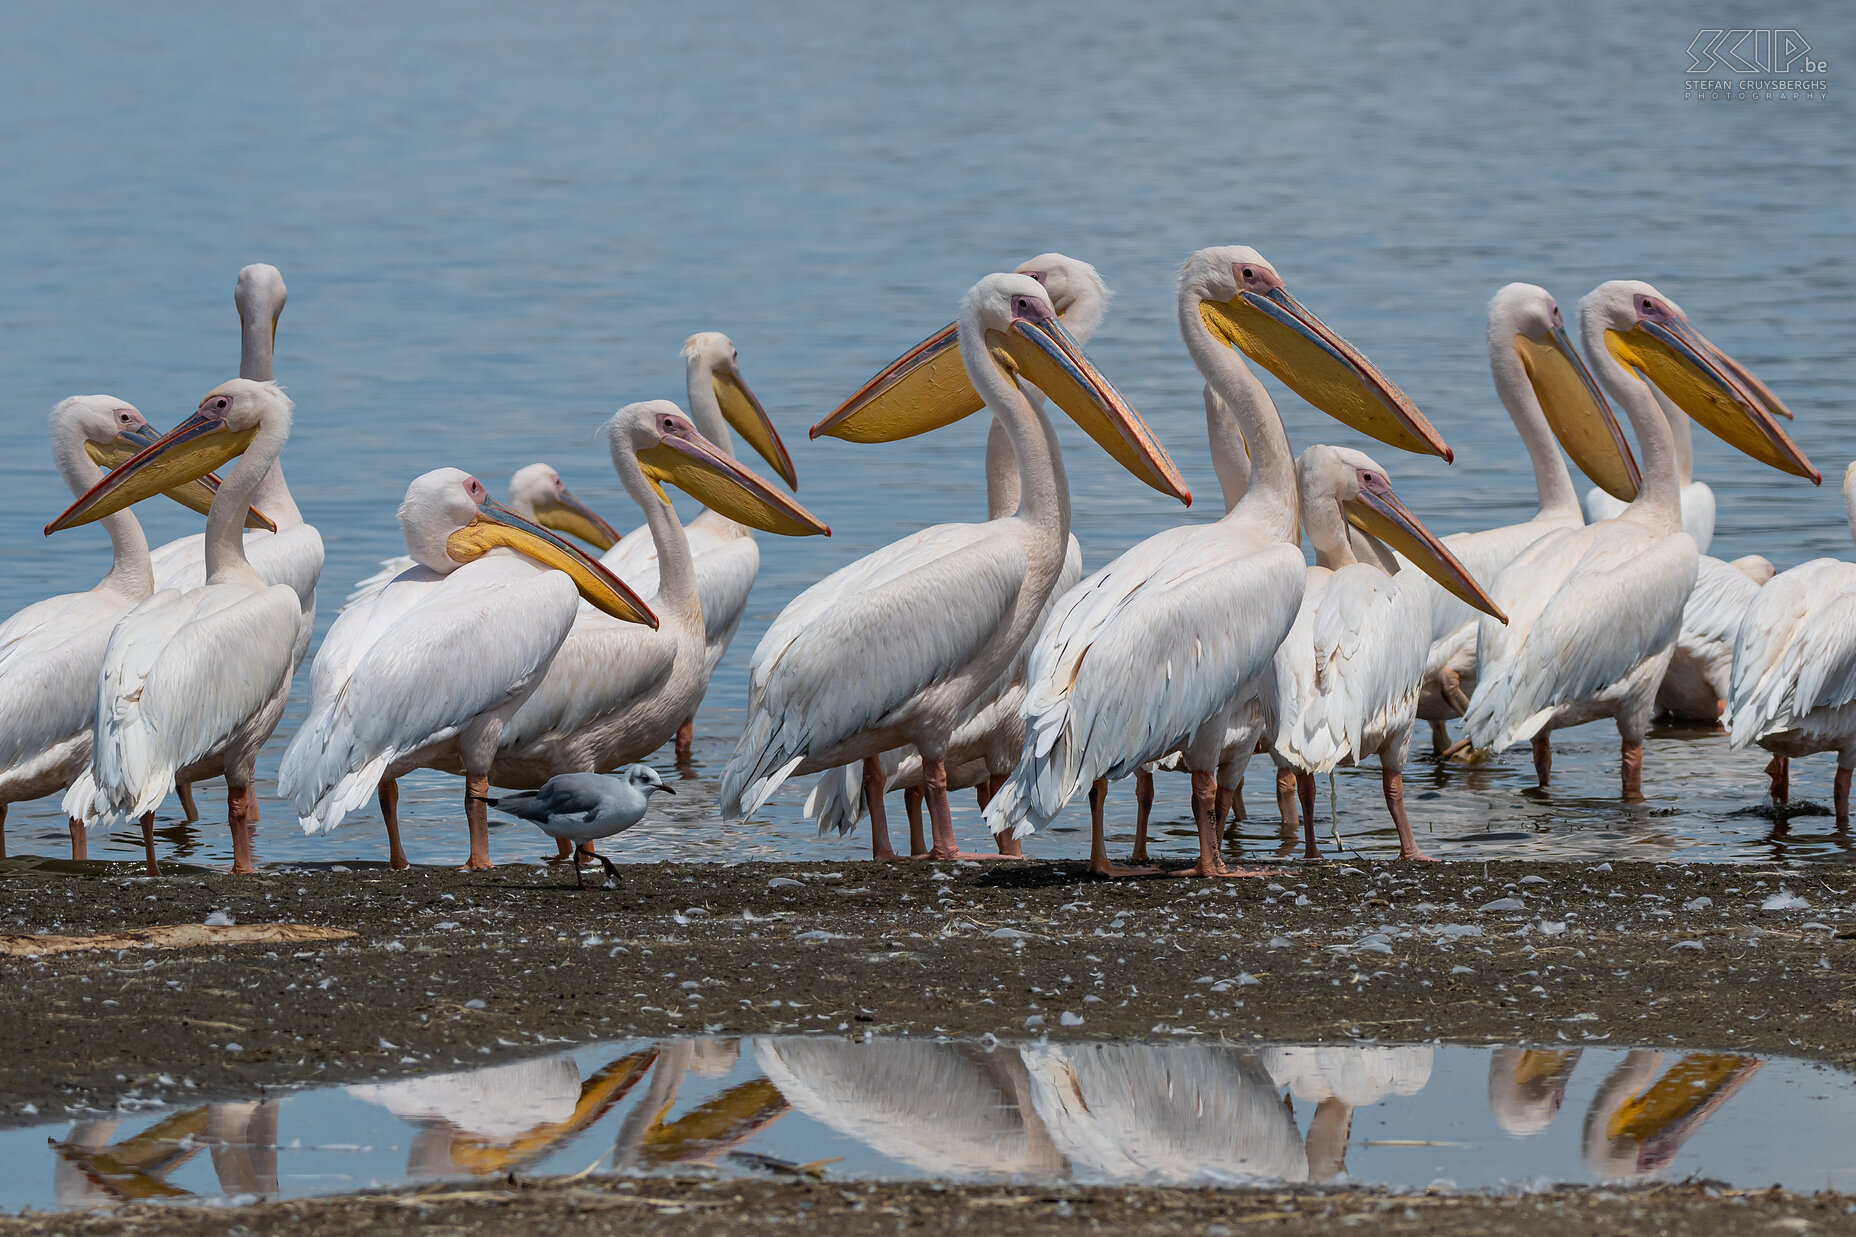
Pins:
x: 282, y: 549
x: 1171, y: 1113
x: 52, y: 651
x: 538, y: 495
x: 934, y: 620
x: 987, y: 739
x: 1593, y: 612
x: 1794, y: 668
x: 428, y: 669
x: 1635, y: 1127
x: 1699, y: 680
x: 194, y: 682
x: 1697, y: 500
x: 1527, y: 1086
x: 723, y: 551
x: 1152, y: 652
x: 1336, y: 1080
x: 1547, y: 390
x: 616, y: 692
x: 1348, y: 675
x: 951, y: 1109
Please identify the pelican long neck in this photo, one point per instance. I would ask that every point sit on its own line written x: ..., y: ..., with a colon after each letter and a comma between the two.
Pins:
x: 1230, y: 455
x: 1269, y: 500
x: 130, y: 572
x: 256, y: 357
x: 1678, y: 430
x: 676, y: 573
x: 705, y: 408
x: 1001, y: 473
x: 1043, y: 490
x: 1551, y: 477
x: 225, y: 520
x: 1659, y: 497
x: 1328, y: 530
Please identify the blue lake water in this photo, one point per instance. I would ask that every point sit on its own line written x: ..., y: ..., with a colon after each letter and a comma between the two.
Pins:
x: 498, y: 225
x: 1406, y: 1116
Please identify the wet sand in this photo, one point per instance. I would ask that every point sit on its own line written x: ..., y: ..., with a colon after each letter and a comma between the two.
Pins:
x: 450, y: 968
x: 678, y: 1208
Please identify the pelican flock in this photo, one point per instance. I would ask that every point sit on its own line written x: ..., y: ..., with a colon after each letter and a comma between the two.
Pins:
x: 966, y: 655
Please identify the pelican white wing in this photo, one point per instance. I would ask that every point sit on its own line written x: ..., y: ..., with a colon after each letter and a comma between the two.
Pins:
x: 937, y: 595
x: 1138, y: 655
x: 1586, y: 607
x: 1349, y: 673
x: 414, y: 664
x: 1797, y: 650
x: 50, y: 654
x: 182, y: 675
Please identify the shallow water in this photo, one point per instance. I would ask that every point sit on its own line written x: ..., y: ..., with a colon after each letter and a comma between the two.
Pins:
x: 496, y: 231
x: 1406, y: 1116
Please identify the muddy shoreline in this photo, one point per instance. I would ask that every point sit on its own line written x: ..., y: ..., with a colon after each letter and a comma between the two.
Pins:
x: 684, y: 1208
x: 449, y: 968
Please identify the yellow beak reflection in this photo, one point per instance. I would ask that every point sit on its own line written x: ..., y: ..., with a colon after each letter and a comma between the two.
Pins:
x: 1661, y: 1117
x: 569, y: 515
x: 184, y: 454
x: 687, y: 460
x: 1274, y: 330
x: 1578, y: 413
x: 1695, y: 376
x: 1377, y: 512
x: 747, y: 418
x: 495, y: 525
x: 196, y: 495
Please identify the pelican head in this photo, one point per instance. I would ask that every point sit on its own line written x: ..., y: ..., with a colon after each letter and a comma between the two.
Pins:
x: 1646, y: 332
x: 449, y: 519
x: 710, y: 356
x: 260, y: 296
x: 1242, y: 300
x: 1525, y: 322
x: 1076, y: 290
x: 1008, y: 321
x: 1527, y: 1087
x: 669, y: 449
x: 538, y: 494
x: 112, y: 431
x: 927, y: 386
x: 1355, y: 483
x: 222, y: 427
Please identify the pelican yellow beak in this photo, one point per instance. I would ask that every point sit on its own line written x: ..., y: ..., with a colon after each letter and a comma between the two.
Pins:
x: 921, y: 390
x: 747, y: 418
x: 569, y: 515
x: 1045, y: 355
x: 1701, y: 380
x: 1660, y: 1117
x: 196, y: 495
x: 1747, y: 377
x: 711, y: 1128
x: 183, y: 455
x: 687, y: 460
x: 496, y: 525
x: 1377, y: 512
x: 1274, y: 330
x: 1578, y: 413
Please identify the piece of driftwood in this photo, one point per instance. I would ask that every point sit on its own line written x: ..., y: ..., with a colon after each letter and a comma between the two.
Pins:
x: 171, y: 936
